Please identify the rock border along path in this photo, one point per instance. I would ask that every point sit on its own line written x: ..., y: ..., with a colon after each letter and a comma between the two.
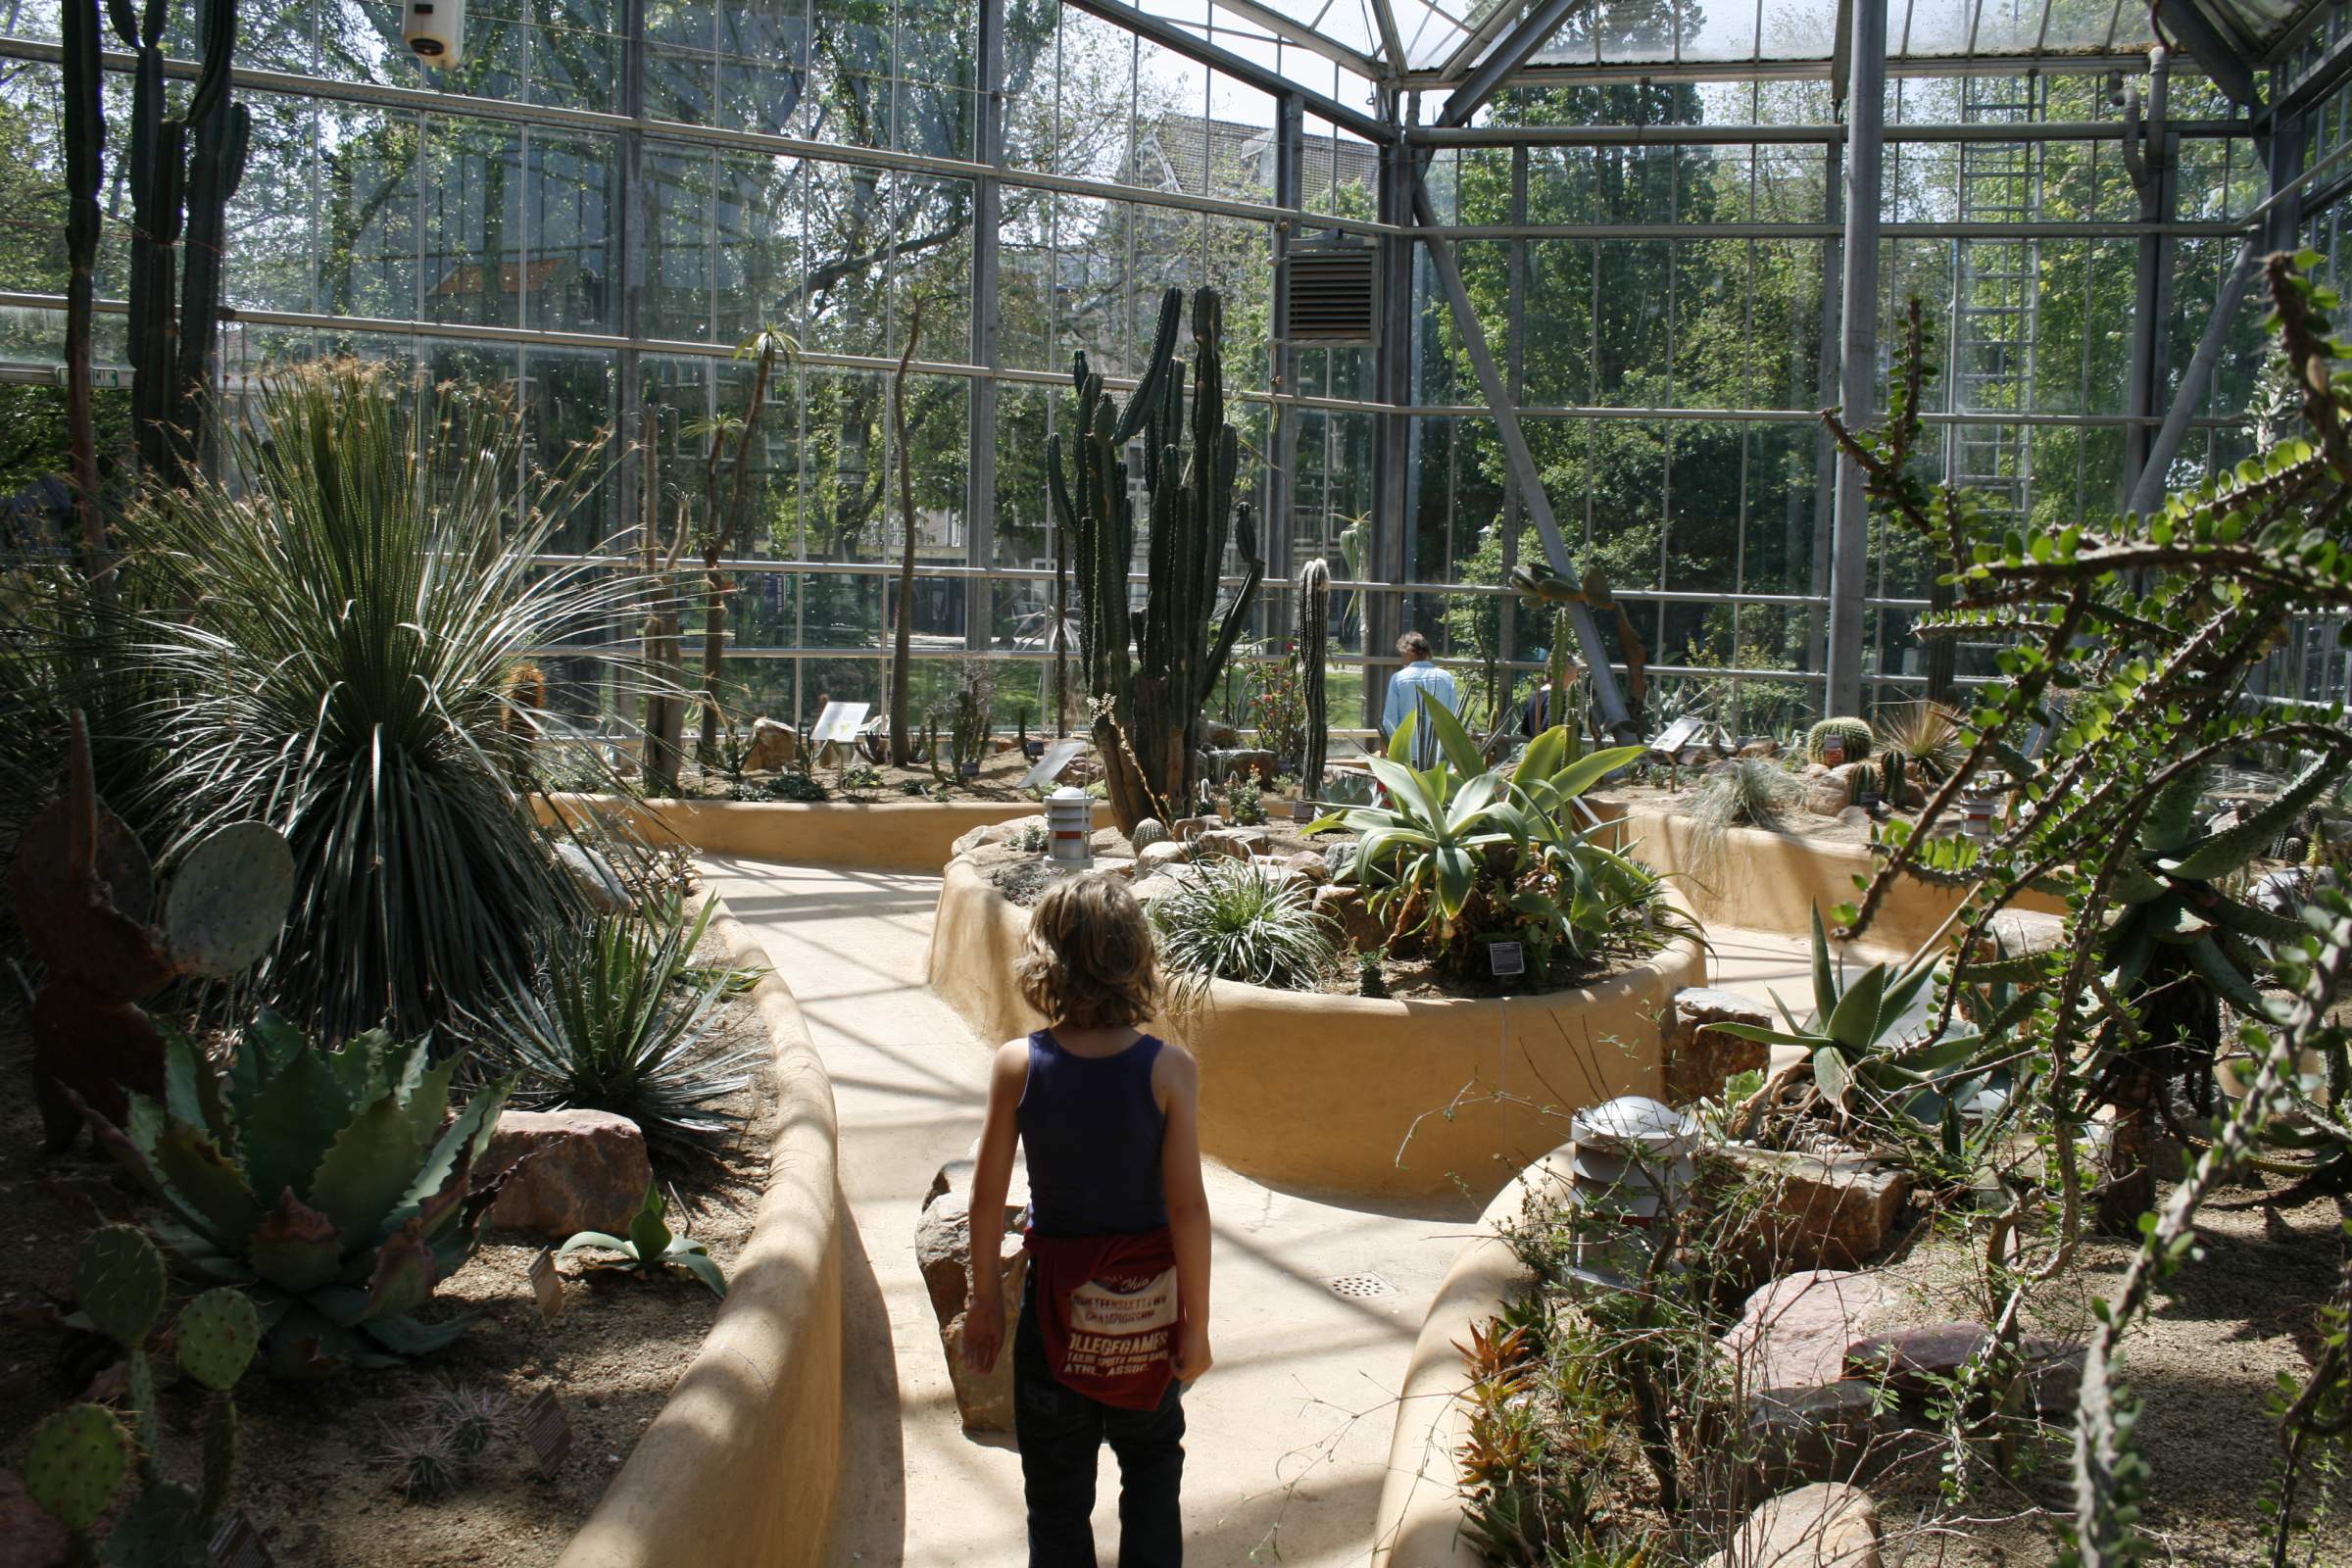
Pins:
x: 1289, y: 1435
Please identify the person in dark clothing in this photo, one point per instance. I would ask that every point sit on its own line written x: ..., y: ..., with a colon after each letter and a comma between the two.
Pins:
x: 1114, y: 1317
x: 1546, y: 705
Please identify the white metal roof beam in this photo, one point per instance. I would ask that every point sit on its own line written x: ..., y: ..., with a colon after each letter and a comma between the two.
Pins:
x: 1391, y: 41
x: 1303, y: 36
x: 1504, y: 60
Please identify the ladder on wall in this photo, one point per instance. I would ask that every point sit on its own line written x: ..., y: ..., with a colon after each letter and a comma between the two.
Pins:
x: 1993, y: 301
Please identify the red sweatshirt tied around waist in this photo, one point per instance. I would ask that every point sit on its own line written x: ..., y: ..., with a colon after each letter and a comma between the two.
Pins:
x: 1106, y: 1308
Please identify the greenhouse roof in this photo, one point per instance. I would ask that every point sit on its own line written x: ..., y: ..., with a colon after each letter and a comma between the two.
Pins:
x: 1435, y: 45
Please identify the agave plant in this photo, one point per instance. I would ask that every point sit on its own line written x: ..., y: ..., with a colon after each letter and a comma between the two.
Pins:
x: 619, y: 1019
x: 1874, y: 1052
x: 332, y: 1184
x: 335, y: 663
x: 1927, y: 736
x: 651, y: 1247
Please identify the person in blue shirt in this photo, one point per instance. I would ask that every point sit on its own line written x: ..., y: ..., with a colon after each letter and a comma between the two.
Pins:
x: 1417, y: 684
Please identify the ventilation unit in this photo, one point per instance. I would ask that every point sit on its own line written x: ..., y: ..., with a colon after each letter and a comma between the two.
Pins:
x: 1332, y: 288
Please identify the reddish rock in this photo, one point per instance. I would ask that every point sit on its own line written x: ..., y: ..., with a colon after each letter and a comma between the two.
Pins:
x: 1794, y: 1333
x: 1152, y: 856
x: 1923, y: 1359
x: 1238, y: 842
x: 1311, y: 864
x: 581, y: 1170
x: 28, y: 1537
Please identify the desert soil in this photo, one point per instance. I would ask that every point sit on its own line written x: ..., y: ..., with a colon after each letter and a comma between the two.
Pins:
x: 311, y: 1482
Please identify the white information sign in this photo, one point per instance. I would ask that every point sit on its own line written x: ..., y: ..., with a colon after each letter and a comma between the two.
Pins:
x: 839, y: 722
x: 1059, y: 756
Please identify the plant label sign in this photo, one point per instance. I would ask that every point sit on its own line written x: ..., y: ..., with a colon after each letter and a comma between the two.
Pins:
x: 548, y: 1430
x: 838, y: 723
x: 547, y: 1284
x: 1059, y: 756
x: 237, y: 1544
x: 1506, y: 958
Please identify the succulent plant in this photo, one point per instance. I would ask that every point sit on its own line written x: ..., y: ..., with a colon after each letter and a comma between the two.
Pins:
x: 1150, y: 830
x: 371, y: 1205
x: 81, y: 1455
x: 1892, y: 778
x: 1854, y: 738
x: 650, y: 1247
x: 85, y: 891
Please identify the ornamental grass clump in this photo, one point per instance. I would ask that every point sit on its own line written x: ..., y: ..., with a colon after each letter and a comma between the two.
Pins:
x: 621, y: 1020
x: 339, y: 613
x: 1231, y: 919
x: 1744, y: 792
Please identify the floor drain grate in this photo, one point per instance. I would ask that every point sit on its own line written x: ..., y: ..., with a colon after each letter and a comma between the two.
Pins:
x: 1361, y: 1285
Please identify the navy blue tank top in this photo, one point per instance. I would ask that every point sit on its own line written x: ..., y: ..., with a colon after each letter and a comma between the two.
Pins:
x: 1091, y: 1131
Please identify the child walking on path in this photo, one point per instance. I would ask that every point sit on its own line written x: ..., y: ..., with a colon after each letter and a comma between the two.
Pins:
x: 1114, y: 1318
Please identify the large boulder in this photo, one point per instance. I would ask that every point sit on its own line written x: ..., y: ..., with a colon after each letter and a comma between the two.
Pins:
x: 943, y: 1252
x: 1699, y: 1055
x: 579, y: 1170
x: 1803, y: 1418
x: 1816, y: 1212
x: 594, y: 876
x: 1310, y: 865
x: 1159, y: 853
x: 775, y: 745
x: 1240, y: 843
x: 1350, y: 916
x: 1826, y: 1525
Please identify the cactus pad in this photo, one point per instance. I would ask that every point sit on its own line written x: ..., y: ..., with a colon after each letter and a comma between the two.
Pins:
x: 218, y: 1332
x: 118, y: 1280
x: 229, y: 901
x: 75, y: 1464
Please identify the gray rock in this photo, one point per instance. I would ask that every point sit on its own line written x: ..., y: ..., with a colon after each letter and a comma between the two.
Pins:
x: 577, y: 1170
x: 1240, y: 843
x: 1826, y: 1525
x: 595, y: 879
x: 1153, y: 857
x: 774, y: 745
x: 1338, y: 861
x: 1310, y: 865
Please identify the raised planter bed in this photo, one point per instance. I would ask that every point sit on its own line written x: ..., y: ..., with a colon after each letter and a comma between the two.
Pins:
x: 1394, y: 1099
x: 873, y: 836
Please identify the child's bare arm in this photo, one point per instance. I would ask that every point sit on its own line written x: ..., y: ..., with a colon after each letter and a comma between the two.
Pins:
x: 984, y: 1314
x: 1177, y: 1077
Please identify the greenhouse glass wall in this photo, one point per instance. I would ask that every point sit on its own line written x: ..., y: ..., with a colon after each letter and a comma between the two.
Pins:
x: 1622, y: 254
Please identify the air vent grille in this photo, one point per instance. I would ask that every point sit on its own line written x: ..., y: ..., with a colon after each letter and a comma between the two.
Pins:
x: 1334, y: 294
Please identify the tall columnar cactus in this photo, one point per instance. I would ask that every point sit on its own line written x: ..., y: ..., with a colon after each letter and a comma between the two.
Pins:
x: 80, y: 1455
x: 1148, y: 671
x: 85, y: 147
x: 182, y: 170
x: 1315, y: 643
x: 1558, y: 711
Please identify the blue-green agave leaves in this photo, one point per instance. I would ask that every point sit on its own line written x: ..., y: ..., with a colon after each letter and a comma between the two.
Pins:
x: 325, y: 1182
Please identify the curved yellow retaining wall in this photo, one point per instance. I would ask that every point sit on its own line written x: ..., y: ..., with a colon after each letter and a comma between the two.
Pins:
x: 740, y: 1467
x: 1761, y: 881
x: 1420, y: 1520
x: 875, y: 836
x: 1371, y: 1098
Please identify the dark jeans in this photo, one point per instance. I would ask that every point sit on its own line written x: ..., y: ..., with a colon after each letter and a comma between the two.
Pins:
x: 1062, y: 1436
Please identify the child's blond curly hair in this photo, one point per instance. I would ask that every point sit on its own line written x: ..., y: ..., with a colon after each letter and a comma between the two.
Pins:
x: 1090, y: 962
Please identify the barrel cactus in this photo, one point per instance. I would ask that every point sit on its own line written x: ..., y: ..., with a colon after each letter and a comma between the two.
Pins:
x: 1854, y: 738
x: 323, y: 1182
x: 1149, y: 831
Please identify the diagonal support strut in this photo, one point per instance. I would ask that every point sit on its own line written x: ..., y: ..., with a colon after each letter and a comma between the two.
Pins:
x: 1607, y: 695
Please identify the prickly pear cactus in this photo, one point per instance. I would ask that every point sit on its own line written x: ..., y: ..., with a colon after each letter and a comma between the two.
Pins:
x: 227, y: 904
x: 76, y: 1463
x: 1150, y: 830
x: 118, y: 1280
x: 218, y: 1333
x: 224, y: 1442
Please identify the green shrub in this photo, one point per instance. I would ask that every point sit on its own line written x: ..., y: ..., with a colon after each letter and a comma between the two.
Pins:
x: 336, y: 665
x: 323, y: 1182
x: 1230, y: 919
x: 1851, y: 733
x: 608, y: 1026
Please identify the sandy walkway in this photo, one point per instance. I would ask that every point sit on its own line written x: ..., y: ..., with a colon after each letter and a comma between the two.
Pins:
x: 1289, y: 1434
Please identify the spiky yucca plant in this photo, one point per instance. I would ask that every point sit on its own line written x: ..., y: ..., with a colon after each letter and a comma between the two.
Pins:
x: 1230, y: 919
x: 347, y: 599
x: 333, y: 1186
